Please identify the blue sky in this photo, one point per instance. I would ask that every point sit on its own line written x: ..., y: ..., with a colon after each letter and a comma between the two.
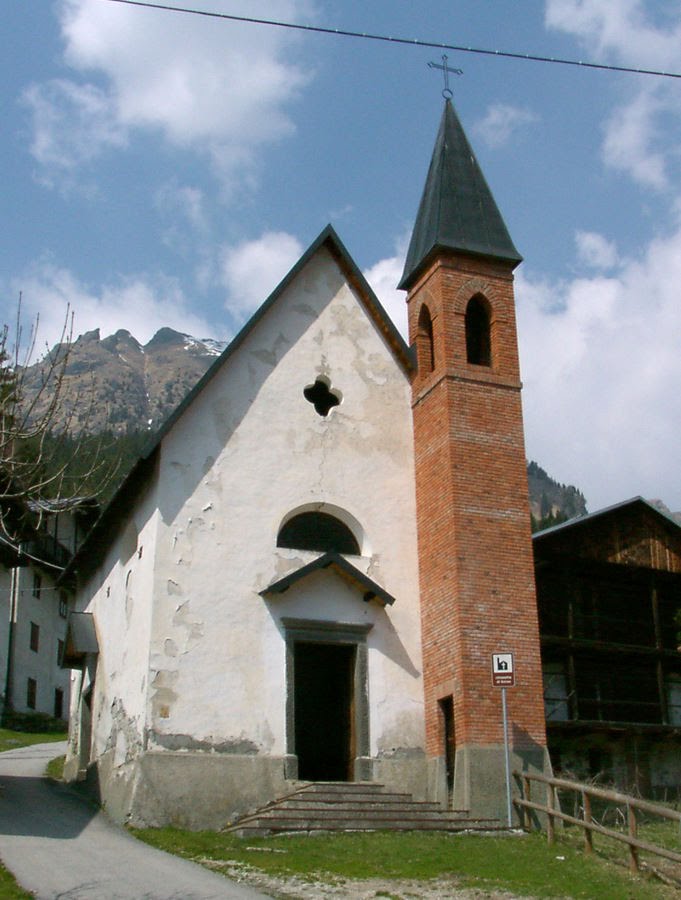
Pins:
x: 165, y: 169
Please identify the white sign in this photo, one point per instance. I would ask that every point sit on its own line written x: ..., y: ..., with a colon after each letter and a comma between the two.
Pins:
x: 502, y: 670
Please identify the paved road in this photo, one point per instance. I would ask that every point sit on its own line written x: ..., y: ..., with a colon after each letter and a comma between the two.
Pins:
x: 61, y: 848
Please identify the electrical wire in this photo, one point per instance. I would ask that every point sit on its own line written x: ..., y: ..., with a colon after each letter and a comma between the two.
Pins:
x: 414, y: 42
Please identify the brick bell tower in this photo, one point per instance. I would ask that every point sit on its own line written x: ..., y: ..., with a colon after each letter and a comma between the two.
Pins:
x: 475, y: 551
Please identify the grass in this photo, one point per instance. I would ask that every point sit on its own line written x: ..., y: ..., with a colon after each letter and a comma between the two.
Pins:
x: 55, y: 768
x: 10, y: 740
x: 522, y: 864
x: 661, y: 833
x: 9, y: 889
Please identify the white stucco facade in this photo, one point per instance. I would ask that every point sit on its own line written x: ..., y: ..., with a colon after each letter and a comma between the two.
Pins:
x: 193, y: 680
x: 32, y: 635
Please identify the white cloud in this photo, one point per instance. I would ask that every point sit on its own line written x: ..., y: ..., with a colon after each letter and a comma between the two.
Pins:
x: 639, y: 135
x: 631, y: 136
x: 501, y: 121
x: 187, y: 201
x: 184, y: 211
x: 601, y: 362
x: 72, y: 125
x: 623, y: 29
x: 595, y: 250
x: 217, y: 87
x: 384, y: 276
x: 252, y: 269
x: 139, y: 304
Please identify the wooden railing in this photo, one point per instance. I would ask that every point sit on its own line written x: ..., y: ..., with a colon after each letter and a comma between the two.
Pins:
x: 552, y: 812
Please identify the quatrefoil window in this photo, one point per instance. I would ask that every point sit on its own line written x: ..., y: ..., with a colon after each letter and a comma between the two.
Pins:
x: 321, y: 396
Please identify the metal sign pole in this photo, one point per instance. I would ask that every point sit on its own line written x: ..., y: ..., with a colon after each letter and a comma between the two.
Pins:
x: 508, y: 759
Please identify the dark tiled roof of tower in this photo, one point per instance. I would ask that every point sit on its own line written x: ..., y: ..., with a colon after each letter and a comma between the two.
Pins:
x: 457, y: 211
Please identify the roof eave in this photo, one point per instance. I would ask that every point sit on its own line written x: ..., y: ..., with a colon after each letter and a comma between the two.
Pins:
x: 370, y: 589
x: 579, y: 521
x: 411, y: 277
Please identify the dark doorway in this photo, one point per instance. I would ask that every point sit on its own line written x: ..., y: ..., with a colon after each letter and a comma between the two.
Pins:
x: 447, y: 712
x: 85, y: 738
x: 324, y: 713
x: 58, y: 703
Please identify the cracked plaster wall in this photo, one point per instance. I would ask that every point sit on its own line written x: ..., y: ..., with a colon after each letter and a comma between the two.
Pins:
x: 248, y: 451
x: 120, y: 595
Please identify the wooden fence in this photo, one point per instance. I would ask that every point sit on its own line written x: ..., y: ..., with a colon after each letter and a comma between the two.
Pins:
x: 586, y: 793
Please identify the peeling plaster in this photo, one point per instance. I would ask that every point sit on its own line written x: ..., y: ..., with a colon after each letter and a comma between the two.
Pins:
x: 194, y: 627
x: 267, y: 738
x: 305, y: 310
x: 187, y: 742
x: 401, y: 753
x: 124, y: 738
x: 271, y: 357
x: 404, y: 729
x: 164, y: 695
x: 129, y: 603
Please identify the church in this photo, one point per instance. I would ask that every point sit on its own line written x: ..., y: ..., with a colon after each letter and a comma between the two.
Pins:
x: 306, y: 576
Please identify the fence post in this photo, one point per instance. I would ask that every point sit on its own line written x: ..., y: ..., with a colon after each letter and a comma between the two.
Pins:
x: 551, y: 804
x: 527, y: 818
x: 588, y: 833
x: 633, y: 851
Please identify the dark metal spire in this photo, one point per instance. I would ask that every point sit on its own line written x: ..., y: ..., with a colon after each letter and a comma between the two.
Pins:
x: 457, y: 211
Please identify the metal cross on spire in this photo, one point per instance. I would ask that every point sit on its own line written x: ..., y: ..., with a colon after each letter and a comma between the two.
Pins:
x: 447, y: 93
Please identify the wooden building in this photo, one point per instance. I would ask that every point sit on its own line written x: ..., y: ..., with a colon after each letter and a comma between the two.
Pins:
x: 609, y: 592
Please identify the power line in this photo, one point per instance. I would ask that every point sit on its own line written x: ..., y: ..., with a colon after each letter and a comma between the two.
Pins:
x: 413, y: 42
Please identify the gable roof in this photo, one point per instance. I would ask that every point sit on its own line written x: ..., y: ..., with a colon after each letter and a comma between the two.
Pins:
x: 589, y: 518
x: 104, y: 529
x: 457, y: 210
x: 371, y: 590
x: 633, y: 533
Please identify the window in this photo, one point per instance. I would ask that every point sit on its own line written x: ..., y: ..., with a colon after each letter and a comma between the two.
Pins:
x: 425, y: 348
x: 321, y: 396
x: 318, y: 531
x: 31, y: 691
x: 37, y: 584
x: 60, y: 652
x: 63, y: 606
x: 478, y: 337
x: 34, y: 642
x: 58, y: 703
x: 673, y: 692
x: 556, y: 706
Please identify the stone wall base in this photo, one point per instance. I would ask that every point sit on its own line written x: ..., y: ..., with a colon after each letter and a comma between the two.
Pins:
x: 210, y: 791
x: 480, y: 778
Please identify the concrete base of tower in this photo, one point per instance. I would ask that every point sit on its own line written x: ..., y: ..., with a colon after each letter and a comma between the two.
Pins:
x: 479, y: 783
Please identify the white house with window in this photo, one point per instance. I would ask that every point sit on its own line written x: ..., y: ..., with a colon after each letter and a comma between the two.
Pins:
x: 32, y: 639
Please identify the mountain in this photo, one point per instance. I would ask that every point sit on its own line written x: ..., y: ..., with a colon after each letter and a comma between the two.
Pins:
x: 121, y: 385
x: 127, y: 388
x: 551, y: 502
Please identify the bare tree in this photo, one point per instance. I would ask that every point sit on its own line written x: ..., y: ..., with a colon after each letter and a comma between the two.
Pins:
x: 36, y: 428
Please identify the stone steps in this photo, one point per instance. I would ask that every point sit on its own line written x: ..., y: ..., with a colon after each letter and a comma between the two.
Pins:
x: 354, y: 806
